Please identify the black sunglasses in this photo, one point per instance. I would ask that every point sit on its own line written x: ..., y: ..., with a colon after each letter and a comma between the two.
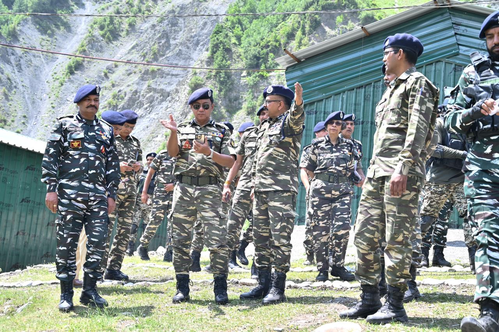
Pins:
x: 206, y: 106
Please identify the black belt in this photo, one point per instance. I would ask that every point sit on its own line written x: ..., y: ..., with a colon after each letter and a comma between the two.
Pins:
x: 331, y: 178
x: 197, y: 180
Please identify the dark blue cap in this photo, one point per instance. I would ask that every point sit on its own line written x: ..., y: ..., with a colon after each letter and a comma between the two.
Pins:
x: 491, y: 21
x: 338, y: 115
x: 349, y: 117
x: 86, y: 90
x: 229, y: 125
x: 406, y: 42
x: 151, y: 154
x: 202, y: 93
x: 262, y: 108
x: 245, y: 126
x: 131, y: 116
x: 113, y: 117
x: 319, y: 126
x: 279, y: 90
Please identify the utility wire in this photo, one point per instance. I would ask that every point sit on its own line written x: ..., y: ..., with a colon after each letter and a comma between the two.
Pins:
x: 339, y: 11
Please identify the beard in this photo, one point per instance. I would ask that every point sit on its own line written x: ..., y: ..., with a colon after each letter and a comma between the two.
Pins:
x: 493, y: 56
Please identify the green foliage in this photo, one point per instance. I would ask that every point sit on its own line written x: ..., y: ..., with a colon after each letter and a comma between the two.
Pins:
x: 195, y: 83
x: 73, y: 65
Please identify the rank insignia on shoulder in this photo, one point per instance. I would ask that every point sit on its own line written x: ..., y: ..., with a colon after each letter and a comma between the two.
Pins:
x: 187, y: 145
x: 75, y: 144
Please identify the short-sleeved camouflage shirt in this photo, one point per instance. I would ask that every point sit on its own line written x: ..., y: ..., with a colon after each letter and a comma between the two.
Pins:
x: 247, y: 149
x: 163, y: 165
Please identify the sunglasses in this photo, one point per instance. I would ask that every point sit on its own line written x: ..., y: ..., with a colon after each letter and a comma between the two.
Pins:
x: 205, y: 106
x: 337, y: 123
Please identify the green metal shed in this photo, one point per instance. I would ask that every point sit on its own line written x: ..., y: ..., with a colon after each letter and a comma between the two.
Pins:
x: 344, y: 73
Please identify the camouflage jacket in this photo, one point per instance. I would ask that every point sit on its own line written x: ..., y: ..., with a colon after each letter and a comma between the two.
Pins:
x: 129, y: 151
x: 190, y: 163
x: 163, y: 165
x: 275, y: 167
x: 80, y: 159
x: 405, y: 121
x: 247, y: 149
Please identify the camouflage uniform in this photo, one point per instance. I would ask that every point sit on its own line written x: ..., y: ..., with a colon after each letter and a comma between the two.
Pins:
x: 400, y: 147
x: 142, y: 211
x: 197, y: 196
x: 163, y: 165
x: 308, y: 243
x: 330, y: 197
x: 481, y: 184
x: 275, y: 188
x: 81, y: 165
x: 128, y: 150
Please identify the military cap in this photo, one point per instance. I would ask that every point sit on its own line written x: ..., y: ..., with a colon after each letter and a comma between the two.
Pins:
x: 406, y: 42
x: 245, y: 126
x: 319, y: 126
x: 151, y: 154
x: 86, y: 90
x: 279, y: 90
x: 338, y: 115
x: 491, y: 21
x: 261, y: 109
x: 113, y: 117
x: 202, y: 93
x: 349, y: 117
x: 229, y: 125
x: 131, y: 116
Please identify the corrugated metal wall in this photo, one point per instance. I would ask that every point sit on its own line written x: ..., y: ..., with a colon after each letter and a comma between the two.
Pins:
x: 349, y: 78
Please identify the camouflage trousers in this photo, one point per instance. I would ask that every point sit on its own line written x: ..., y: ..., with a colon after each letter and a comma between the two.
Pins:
x: 161, y: 207
x: 482, y: 190
x: 273, y: 223
x: 331, y: 215
x: 142, y: 211
x: 72, y: 216
x: 241, y: 208
x: 125, y: 206
x: 308, y: 243
x: 199, y: 203
x: 393, y: 219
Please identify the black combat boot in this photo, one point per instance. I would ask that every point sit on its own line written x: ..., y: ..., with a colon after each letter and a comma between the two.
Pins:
x: 168, y: 257
x: 66, y: 303
x: 488, y: 321
x: 412, y: 292
x: 471, y: 254
x: 220, y: 289
x: 130, y: 248
x: 254, y: 271
x: 182, y: 294
x: 309, y: 260
x: 89, y: 295
x: 196, y: 265
x: 276, y: 293
x: 232, y: 260
x: 342, y: 273
x: 143, y: 254
x: 322, y: 276
x: 115, y: 275
x: 424, y: 260
x: 241, y: 254
x: 438, y: 257
x: 392, y: 310
x: 261, y: 289
x: 369, y: 303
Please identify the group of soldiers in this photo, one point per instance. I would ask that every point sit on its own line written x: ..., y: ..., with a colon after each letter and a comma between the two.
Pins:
x: 92, y: 170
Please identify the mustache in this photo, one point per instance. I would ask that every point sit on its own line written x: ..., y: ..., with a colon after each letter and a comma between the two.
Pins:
x: 92, y: 106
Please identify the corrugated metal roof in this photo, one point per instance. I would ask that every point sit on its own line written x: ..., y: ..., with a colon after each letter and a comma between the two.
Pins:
x: 389, y: 22
x: 21, y: 141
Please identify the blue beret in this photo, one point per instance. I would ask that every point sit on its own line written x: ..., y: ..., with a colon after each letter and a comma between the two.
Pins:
x: 86, y: 90
x: 490, y: 22
x: 202, y: 93
x: 319, y: 126
x: 279, y: 90
x: 131, y: 116
x: 406, y: 42
x: 229, y: 125
x: 349, y: 117
x: 338, y: 115
x: 151, y: 154
x: 113, y: 117
x: 262, y: 108
x: 245, y: 126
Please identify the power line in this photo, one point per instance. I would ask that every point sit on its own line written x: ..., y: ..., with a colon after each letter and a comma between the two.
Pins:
x: 87, y: 57
x: 338, y: 11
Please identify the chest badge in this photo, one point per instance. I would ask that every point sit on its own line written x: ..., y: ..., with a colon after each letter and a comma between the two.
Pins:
x: 75, y: 144
x: 187, y: 145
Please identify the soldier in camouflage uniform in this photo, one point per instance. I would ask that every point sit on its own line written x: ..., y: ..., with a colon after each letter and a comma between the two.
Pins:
x: 347, y: 132
x: 474, y: 116
x: 389, y: 203
x: 142, y: 210
x: 275, y: 171
x: 202, y: 151
x: 330, y: 164
x: 308, y: 243
x: 130, y: 154
x: 162, y: 168
x: 80, y: 169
